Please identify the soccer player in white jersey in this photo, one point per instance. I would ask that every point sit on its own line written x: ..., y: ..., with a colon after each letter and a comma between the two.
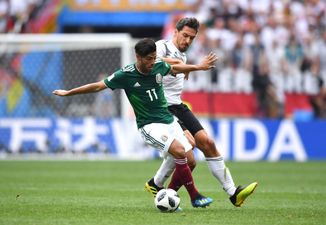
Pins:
x: 142, y: 83
x: 173, y: 51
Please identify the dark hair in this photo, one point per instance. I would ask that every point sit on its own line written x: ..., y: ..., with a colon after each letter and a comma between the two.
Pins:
x: 191, y: 22
x: 145, y: 46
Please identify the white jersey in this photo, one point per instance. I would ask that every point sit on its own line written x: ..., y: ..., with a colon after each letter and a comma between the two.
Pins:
x: 172, y: 85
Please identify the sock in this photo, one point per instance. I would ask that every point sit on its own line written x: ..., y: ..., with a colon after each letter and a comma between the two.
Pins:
x: 217, y: 166
x: 183, y: 173
x: 165, y: 171
x: 176, y: 183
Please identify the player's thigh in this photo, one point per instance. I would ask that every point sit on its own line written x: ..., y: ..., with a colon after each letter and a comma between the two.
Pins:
x: 158, y: 136
x: 190, y: 138
x: 179, y: 135
x: 187, y: 118
x: 161, y: 136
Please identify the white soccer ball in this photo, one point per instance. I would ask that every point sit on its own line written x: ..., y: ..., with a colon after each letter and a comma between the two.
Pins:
x: 167, y: 200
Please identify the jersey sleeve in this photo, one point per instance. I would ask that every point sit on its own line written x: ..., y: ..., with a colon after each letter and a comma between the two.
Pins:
x: 161, y: 48
x: 115, y: 80
x: 164, y: 67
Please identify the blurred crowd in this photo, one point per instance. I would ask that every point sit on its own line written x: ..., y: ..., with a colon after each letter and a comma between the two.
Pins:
x: 15, y: 15
x: 270, y: 47
x: 266, y: 47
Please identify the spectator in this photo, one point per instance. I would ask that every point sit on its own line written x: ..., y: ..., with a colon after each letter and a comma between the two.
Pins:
x: 274, y: 58
x: 286, y: 59
x: 20, y: 13
x: 4, y: 13
x: 318, y: 102
x: 308, y: 68
x: 293, y: 58
x: 262, y: 85
x: 321, y: 58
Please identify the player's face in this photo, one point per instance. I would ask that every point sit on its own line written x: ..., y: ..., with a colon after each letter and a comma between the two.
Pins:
x: 146, y: 63
x: 184, y: 38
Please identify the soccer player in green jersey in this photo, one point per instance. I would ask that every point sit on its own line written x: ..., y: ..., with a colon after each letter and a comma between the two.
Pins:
x: 142, y: 83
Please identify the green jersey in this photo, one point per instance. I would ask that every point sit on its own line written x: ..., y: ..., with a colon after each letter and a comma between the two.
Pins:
x: 145, y: 92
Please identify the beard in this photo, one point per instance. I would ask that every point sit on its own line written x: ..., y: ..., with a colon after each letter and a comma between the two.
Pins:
x: 184, y: 48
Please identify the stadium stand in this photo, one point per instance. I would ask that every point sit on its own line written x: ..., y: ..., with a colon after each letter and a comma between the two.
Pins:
x: 272, y: 52
x: 274, y: 48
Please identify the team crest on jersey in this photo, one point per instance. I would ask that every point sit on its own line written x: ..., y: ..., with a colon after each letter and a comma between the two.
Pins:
x: 159, y: 78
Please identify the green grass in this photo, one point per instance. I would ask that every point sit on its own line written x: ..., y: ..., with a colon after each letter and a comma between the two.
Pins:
x: 111, y: 192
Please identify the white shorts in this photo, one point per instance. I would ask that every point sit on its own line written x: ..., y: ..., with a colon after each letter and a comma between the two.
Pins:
x: 161, y: 135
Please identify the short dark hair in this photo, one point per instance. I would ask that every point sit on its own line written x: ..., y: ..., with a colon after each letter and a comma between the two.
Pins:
x: 145, y: 46
x: 191, y: 22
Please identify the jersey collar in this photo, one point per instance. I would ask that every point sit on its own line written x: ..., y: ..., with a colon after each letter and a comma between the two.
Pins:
x: 140, y: 73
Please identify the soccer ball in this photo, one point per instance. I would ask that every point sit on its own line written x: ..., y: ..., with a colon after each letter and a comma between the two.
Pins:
x: 167, y: 200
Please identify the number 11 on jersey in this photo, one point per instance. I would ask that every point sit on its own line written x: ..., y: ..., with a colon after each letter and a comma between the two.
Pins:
x: 150, y: 94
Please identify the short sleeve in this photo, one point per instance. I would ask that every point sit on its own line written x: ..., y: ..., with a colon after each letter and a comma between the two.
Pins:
x: 115, y: 80
x: 164, y: 68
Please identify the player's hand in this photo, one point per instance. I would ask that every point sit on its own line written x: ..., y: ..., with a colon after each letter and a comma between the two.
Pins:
x: 60, y: 92
x: 208, y: 62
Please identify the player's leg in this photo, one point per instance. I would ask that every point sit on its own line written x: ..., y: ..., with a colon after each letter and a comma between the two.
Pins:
x: 191, y: 159
x: 213, y: 157
x: 156, y: 183
x: 163, y: 137
x: 182, y: 172
x: 217, y: 167
x: 165, y: 170
x: 190, y: 138
x: 176, y: 184
x: 167, y: 167
x: 191, y: 141
x: 215, y: 161
x: 195, y: 131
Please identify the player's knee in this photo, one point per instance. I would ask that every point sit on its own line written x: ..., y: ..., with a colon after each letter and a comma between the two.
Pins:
x: 207, y: 145
x: 177, y: 150
x: 210, y: 143
x: 190, y: 139
x: 180, y: 153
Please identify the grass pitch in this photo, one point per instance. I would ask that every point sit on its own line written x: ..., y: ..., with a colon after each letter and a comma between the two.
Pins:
x: 111, y: 192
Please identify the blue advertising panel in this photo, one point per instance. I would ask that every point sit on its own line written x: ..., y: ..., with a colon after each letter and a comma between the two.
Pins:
x: 272, y: 140
x: 237, y: 139
x: 57, y: 135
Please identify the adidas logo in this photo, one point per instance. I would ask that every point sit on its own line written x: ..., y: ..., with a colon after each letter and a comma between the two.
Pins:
x: 136, y: 84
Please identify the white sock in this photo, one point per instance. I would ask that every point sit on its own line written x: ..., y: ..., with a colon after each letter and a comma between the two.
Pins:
x: 164, y: 172
x: 217, y: 166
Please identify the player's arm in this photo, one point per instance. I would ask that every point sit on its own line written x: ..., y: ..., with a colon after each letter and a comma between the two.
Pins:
x: 171, y: 61
x: 207, y: 63
x: 88, y: 88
